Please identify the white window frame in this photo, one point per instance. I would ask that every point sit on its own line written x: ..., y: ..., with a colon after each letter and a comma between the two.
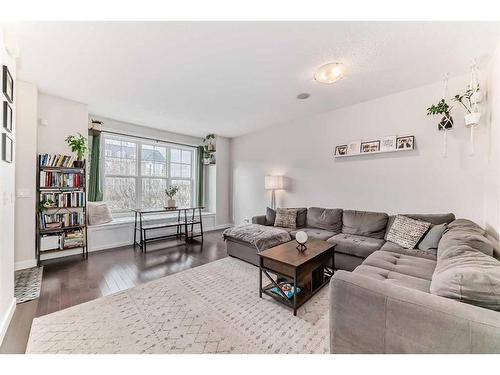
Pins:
x: 139, y: 176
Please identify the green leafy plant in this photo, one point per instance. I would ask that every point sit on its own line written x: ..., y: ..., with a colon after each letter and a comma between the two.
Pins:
x: 464, y: 99
x: 209, y: 137
x: 78, y: 144
x: 49, y: 203
x: 442, y: 108
x: 171, y: 191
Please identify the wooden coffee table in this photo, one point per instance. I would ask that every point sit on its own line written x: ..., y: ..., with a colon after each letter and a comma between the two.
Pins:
x: 310, y: 271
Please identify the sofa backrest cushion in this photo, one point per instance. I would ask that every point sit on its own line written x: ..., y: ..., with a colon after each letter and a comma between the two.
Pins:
x: 364, y: 223
x: 301, y: 217
x: 434, y: 219
x: 467, y: 275
x: 464, y: 232
x: 325, y: 218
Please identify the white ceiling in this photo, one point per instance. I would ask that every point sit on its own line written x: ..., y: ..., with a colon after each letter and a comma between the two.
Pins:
x: 232, y: 78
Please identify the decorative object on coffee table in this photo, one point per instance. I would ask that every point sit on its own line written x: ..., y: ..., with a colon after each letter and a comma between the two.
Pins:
x: 274, y: 183
x: 171, y: 191
x: 301, y: 238
x: 308, y: 271
x: 78, y: 144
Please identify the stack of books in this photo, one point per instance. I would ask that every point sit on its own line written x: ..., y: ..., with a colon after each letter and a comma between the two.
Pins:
x: 76, y: 199
x: 65, y: 161
x: 68, y: 219
x: 60, y: 180
x: 73, y: 239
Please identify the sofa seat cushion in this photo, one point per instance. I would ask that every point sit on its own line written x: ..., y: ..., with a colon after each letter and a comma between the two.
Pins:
x: 325, y: 218
x: 393, y: 277
x: 319, y: 234
x: 395, y: 248
x: 364, y: 223
x: 352, y: 244
x: 404, y: 264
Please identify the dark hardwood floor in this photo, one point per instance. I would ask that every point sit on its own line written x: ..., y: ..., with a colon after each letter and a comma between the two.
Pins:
x: 70, y: 281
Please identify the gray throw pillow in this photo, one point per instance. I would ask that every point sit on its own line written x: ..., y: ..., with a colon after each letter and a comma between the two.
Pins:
x: 432, y: 238
x: 270, y: 216
x: 286, y: 218
x: 407, y: 232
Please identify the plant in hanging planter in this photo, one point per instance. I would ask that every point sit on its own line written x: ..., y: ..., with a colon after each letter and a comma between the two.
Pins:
x: 209, y: 142
x: 78, y: 144
x: 472, y: 116
x: 171, y: 191
x: 442, y: 108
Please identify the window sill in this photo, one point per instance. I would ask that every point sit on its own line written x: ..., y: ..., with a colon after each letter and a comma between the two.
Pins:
x: 129, y: 219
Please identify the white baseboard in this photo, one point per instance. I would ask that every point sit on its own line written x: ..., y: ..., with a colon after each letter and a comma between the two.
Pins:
x: 25, y: 264
x: 5, y: 321
x: 219, y: 227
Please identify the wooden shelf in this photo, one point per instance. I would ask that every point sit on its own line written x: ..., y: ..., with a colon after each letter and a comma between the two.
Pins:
x: 62, y: 169
x: 63, y: 229
x: 372, y: 153
x: 60, y: 189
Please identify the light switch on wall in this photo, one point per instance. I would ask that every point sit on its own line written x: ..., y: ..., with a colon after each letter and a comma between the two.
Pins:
x: 23, y: 193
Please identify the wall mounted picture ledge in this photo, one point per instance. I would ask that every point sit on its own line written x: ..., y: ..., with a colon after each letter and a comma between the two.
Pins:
x: 7, y: 84
x: 392, y: 143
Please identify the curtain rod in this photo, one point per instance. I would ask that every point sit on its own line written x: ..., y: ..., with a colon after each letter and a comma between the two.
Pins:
x: 147, y: 138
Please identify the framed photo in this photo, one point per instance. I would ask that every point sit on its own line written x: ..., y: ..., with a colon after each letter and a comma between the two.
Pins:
x: 7, y: 148
x: 7, y: 84
x: 340, y: 150
x: 405, y: 143
x: 354, y: 147
x: 371, y: 146
x: 388, y: 143
x: 7, y: 116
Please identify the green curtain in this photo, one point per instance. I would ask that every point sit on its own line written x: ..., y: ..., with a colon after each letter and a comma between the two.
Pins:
x: 199, y: 177
x: 95, y: 186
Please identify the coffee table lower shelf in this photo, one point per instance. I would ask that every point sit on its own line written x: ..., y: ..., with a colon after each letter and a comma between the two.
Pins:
x: 298, y: 299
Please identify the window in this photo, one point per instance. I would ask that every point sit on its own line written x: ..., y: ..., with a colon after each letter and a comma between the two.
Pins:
x: 137, y: 172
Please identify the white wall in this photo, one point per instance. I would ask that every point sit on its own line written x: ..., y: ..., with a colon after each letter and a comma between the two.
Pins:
x: 7, y: 209
x: 63, y: 117
x: 492, y: 172
x: 26, y: 151
x: 414, y: 181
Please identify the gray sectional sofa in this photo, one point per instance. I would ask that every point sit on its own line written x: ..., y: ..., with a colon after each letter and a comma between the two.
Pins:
x: 388, y: 299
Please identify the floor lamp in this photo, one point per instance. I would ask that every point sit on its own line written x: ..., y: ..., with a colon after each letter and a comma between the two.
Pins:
x: 273, y: 183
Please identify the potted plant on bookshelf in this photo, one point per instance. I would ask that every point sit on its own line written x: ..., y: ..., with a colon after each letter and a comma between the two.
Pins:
x: 78, y: 144
x: 171, y: 191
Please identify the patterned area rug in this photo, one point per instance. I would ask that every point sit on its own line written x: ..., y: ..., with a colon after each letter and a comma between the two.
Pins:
x: 27, y: 284
x: 214, y: 308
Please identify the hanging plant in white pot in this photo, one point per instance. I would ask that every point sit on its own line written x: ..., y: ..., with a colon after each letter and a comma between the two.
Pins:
x: 472, y: 115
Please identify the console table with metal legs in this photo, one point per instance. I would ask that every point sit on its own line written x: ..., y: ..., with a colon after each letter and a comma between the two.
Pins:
x: 186, y: 217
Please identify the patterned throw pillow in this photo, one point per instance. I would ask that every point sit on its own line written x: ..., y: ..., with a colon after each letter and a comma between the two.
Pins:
x: 407, y: 232
x: 286, y: 218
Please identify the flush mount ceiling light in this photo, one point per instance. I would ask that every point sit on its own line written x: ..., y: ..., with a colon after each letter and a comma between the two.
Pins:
x: 329, y: 73
x: 303, y: 96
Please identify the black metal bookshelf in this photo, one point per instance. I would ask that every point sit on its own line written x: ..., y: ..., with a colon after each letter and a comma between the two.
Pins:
x: 63, y: 230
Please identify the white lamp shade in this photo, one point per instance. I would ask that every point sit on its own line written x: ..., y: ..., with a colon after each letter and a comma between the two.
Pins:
x: 274, y: 182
